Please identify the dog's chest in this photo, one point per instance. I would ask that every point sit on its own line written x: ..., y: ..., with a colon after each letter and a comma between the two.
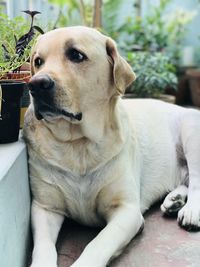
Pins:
x: 65, y: 192
x: 80, y: 195
x: 74, y: 175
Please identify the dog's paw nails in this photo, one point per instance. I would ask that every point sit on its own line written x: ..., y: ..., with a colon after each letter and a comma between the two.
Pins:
x: 189, y: 218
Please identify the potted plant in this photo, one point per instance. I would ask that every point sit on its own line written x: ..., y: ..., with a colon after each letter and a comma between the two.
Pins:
x: 15, y: 46
x: 10, y: 94
x: 17, y: 37
x: 154, y: 74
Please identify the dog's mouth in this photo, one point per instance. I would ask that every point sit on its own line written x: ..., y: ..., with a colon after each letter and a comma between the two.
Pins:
x: 48, y: 112
x: 42, y: 89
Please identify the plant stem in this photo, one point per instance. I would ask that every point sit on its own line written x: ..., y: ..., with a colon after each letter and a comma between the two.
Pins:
x: 97, y: 17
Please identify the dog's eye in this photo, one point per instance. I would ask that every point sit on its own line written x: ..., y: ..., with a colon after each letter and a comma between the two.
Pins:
x: 38, y: 62
x: 76, y: 56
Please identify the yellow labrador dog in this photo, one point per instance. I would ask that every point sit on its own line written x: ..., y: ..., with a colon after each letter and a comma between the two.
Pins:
x: 98, y: 159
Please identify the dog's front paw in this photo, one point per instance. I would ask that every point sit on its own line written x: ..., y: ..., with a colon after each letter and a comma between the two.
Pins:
x: 172, y: 204
x: 174, y: 201
x: 189, y: 217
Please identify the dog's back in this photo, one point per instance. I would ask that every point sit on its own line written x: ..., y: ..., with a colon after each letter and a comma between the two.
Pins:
x: 157, y: 129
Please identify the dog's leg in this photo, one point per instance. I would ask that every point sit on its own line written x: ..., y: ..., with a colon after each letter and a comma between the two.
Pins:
x: 174, y: 201
x: 122, y: 226
x: 45, y: 226
x: 189, y: 215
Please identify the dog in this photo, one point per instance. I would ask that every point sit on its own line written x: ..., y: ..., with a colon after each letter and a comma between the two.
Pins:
x: 100, y: 159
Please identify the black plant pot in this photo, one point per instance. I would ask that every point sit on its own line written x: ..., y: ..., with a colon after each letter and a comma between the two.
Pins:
x: 10, y: 110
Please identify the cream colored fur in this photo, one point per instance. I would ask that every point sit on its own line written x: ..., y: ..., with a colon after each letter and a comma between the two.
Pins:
x: 110, y: 167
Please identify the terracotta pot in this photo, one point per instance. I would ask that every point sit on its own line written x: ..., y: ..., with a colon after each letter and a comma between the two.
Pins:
x: 194, y: 82
x: 167, y: 98
x: 164, y: 97
x: 18, y: 76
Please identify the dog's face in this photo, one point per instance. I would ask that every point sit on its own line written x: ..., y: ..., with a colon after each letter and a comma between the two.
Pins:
x: 75, y: 69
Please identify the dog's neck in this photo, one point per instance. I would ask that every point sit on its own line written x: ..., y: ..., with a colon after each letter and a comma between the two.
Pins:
x: 95, y: 124
x: 63, y: 131
x: 98, y: 123
x: 86, y: 142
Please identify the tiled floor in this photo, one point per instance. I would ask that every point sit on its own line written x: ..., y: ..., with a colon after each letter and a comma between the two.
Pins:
x: 162, y: 244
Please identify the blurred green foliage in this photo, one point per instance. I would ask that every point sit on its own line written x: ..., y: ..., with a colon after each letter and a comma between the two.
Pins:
x: 154, y: 73
x: 72, y: 12
x: 152, y: 44
x: 158, y: 30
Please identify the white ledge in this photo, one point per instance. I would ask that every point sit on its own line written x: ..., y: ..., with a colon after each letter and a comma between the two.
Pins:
x: 14, y: 205
x: 8, y: 155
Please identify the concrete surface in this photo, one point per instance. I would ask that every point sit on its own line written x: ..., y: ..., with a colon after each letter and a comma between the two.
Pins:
x: 162, y: 244
x: 14, y: 205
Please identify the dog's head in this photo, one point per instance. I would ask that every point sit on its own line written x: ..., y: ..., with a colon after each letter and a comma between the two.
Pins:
x: 73, y: 70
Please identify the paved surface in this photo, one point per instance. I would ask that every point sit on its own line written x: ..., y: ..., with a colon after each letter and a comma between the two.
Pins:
x: 162, y: 244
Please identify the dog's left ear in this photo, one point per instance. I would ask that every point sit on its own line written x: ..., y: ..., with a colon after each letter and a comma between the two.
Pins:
x: 123, y: 74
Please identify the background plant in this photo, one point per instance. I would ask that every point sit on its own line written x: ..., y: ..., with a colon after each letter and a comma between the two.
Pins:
x: 86, y: 12
x: 72, y: 12
x: 110, y: 18
x: 154, y: 74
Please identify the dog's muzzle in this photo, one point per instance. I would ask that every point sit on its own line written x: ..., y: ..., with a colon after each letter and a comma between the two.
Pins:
x: 41, y: 85
x: 42, y: 88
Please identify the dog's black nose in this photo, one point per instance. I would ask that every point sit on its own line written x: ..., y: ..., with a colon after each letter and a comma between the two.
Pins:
x: 40, y: 83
